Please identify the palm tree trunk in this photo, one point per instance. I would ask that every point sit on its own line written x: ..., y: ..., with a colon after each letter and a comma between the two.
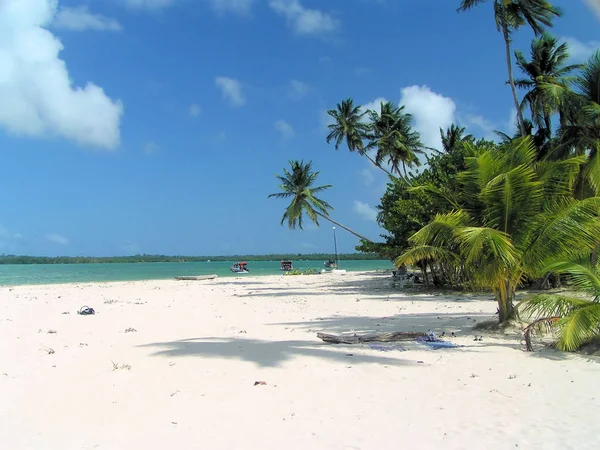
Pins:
x: 506, y: 307
x: 378, y: 166
x: 511, y: 81
x: 345, y: 228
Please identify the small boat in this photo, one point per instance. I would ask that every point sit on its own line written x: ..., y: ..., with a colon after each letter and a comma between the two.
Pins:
x: 287, y: 265
x: 331, y: 264
x: 240, y: 267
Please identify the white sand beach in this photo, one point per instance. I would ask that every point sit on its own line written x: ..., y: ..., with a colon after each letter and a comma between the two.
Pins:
x: 173, y: 364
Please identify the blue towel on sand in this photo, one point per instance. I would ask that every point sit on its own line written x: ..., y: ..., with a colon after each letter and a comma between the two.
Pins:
x: 435, y: 343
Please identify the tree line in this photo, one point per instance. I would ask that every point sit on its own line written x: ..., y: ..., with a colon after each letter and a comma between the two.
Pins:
x: 16, y: 259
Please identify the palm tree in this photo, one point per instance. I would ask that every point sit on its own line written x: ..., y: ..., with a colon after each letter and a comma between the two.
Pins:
x: 298, y: 184
x: 547, y: 65
x: 517, y: 214
x: 390, y: 132
x: 350, y: 126
x: 511, y: 15
x: 453, y: 138
x: 576, y: 319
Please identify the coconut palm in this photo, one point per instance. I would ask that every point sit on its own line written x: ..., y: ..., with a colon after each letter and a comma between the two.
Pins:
x: 517, y: 214
x: 350, y: 126
x: 575, y: 319
x: 579, y: 133
x: 299, y: 186
x: 511, y: 15
x: 547, y: 65
x: 453, y: 138
x: 390, y: 132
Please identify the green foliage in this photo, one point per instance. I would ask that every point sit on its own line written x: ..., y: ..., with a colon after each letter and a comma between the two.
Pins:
x: 507, y: 228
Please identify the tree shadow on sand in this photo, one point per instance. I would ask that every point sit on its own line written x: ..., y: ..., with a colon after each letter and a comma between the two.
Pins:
x: 270, y: 353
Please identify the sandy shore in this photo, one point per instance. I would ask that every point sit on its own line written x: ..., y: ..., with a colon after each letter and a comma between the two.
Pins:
x: 167, y: 364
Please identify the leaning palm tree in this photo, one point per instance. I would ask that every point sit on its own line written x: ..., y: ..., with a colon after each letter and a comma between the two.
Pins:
x: 349, y: 126
x: 575, y: 319
x: 511, y: 15
x: 517, y: 215
x: 299, y: 186
x: 390, y: 132
x: 547, y: 65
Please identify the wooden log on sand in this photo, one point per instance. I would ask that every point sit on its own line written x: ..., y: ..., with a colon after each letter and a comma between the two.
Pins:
x: 377, y: 337
x: 196, y: 277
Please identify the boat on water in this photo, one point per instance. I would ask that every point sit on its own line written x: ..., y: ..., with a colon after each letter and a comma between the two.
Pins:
x: 287, y: 265
x: 240, y: 267
x: 330, y: 264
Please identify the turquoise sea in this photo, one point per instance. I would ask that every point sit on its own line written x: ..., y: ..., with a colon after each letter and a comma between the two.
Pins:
x: 85, y: 273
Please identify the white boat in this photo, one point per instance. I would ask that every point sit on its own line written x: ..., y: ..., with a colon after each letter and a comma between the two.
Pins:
x: 240, y: 267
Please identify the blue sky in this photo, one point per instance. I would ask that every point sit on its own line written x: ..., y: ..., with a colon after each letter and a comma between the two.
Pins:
x: 157, y: 126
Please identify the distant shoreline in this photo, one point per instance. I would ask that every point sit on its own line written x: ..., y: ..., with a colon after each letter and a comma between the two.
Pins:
x: 23, y: 259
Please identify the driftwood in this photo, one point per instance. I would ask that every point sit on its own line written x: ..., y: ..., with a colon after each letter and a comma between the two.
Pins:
x: 196, y: 277
x: 377, y: 337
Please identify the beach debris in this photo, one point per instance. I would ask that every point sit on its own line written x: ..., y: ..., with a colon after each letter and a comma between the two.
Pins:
x: 478, y: 338
x: 65, y: 312
x: 377, y: 337
x: 172, y: 363
x: 349, y: 354
x: 49, y: 350
x: 260, y: 383
x: 117, y: 366
x: 130, y: 330
x: 512, y: 377
x: 51, y: 331
x: 86, y: 311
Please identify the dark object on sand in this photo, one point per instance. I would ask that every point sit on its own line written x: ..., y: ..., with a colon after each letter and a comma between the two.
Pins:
x: 377, y: 337
x: 86, y: 311
x: 261, y: 383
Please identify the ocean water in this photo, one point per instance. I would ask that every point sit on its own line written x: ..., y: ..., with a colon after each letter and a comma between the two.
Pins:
x: 86, y: 273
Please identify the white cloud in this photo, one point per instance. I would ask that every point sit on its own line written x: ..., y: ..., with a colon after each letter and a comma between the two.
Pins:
x: 150, y: 5
x: 581, y: 51
x: 284, y: 128
x: 38, y: 98
x: 298, y: 89
x: 80, y: 18
x: 594, y: 5
x: 194, y: 110
x: 430, y: 111
x: 365, y: 210
x: 305, y: 21
x: 367, y: 176
x: 239, y: 7
x: 151, y: 148
x: 57, y: 239
x: 231, y: 90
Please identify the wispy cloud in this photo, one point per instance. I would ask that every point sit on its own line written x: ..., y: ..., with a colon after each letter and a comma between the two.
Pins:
x: 581, y: 51
x: 284, y: 129
x: 305, y: 21
x: 231, y: 90
x: 194, y: 110
x: 237, y: 7
x: 80, y: 18
x: 57, y: 239
x: 594, y: 5
x: 150, y: 5
x: 365, y: 210
x: 298, y: 89
x: 151, y: 148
